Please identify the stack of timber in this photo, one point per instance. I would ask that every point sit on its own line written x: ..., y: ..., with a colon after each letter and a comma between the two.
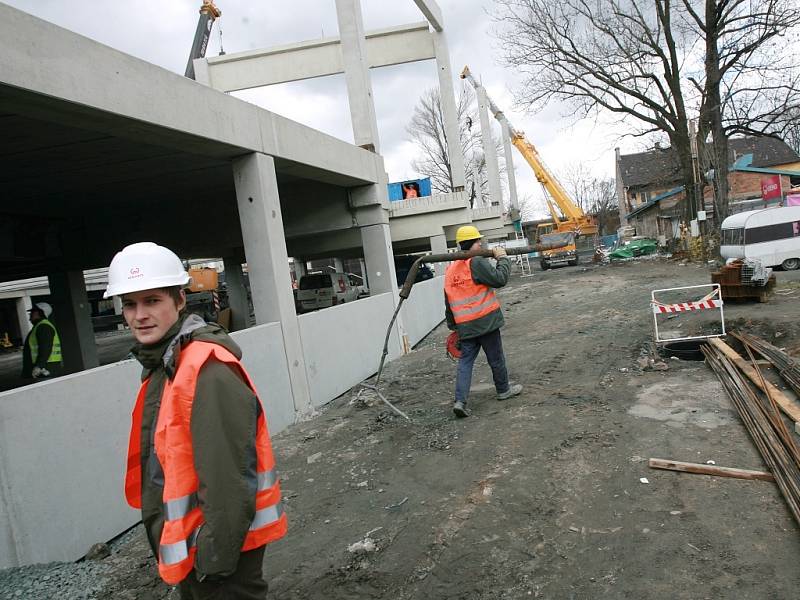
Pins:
x: 760, y: 415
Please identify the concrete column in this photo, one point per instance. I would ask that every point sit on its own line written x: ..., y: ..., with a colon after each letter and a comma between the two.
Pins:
x: 439, y: 246
x: 72, y: 318
x: 338, y: 264
x: 512, y: 176
x: 379, y: 259
x: 237, y: 293
x: 489, y: 150
x: 476, y: 177
x: 356, y: 75
x: 449, y: 110
x: 300, y: 269
x: 265, y: 250
x: 117, y: 300
x: 24, y: 304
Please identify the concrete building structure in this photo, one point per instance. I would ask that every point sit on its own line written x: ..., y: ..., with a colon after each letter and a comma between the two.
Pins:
x: 353, y: 53
x: 102, y: 150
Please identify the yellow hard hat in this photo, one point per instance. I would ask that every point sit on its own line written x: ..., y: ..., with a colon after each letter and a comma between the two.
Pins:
x: 467, y: 232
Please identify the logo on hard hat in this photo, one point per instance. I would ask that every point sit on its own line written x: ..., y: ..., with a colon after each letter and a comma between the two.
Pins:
x: 135, y: 273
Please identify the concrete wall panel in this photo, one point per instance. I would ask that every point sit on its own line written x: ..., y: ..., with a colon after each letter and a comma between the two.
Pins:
x: 343, y: 345
x: 265, y: 361
x: 63, y: 446
x: 424, y: 309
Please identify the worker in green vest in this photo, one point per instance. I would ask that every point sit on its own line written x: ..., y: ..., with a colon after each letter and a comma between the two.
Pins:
x: 41, y: 354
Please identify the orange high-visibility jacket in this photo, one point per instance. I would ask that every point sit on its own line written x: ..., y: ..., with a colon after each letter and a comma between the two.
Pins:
x: 468, y: 299
x: 183, y: 515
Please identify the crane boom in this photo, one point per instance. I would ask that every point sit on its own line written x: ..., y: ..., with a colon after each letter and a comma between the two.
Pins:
x: 573, y: 217
x: 208, y: 14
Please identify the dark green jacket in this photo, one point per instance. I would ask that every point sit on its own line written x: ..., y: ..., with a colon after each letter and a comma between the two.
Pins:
x: 482, y: 272
x: 223, y: 426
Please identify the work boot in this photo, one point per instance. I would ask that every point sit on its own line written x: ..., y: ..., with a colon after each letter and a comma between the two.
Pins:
x: 514, y: 390
x: 461, y: 410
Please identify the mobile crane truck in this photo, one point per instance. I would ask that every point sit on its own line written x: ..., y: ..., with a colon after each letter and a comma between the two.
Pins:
x: 569, y: 220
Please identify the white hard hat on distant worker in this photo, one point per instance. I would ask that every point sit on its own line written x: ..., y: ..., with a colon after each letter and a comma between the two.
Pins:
x: 44, y: 308
x: 144, y: 266
x: 467, y: 232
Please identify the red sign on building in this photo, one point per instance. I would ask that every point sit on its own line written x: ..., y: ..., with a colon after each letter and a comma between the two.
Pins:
x: 771, y: 187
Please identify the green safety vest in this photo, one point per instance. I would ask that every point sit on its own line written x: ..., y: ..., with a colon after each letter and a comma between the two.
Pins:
x: 55, y: 354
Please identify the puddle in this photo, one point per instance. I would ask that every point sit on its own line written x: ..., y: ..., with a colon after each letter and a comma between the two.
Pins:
x: 678, y: 403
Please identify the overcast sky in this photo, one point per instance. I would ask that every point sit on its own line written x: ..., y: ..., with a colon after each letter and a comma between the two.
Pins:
x: 161, y: 32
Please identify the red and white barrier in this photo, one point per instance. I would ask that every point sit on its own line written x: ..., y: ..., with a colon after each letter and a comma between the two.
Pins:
x: 711, y: 301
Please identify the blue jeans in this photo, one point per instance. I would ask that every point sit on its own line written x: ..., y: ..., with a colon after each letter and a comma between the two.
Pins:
x: 492, y: 346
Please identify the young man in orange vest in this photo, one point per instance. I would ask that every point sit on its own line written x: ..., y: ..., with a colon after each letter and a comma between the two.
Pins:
x: 472, y: 309
x: 200, y: 463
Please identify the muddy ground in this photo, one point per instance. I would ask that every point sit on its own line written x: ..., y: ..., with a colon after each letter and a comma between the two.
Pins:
x: 539, y: 496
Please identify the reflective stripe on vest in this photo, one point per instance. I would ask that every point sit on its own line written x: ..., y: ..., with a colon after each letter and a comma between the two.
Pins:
x: 55, y: 352
x: 183, y: 516
x: 468, y: 299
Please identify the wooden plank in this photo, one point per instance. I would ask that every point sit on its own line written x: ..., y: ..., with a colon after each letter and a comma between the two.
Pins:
x: 685, y: 467
x: 787, y: 405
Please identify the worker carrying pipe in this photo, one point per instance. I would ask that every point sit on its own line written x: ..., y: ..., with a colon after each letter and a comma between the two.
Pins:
x: 473, y: 312
x: 200, y: 462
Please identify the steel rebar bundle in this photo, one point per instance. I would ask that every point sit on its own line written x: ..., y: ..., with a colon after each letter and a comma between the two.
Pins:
x: 788, y: 367
x: 765, y: 425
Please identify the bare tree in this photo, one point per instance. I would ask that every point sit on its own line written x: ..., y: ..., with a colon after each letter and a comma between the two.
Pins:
x: 751, y: 77
x: 622, y: 57
x: 595, y: 195
x: 426, y: 131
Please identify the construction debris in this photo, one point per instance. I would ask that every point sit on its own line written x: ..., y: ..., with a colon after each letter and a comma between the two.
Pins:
x: 788, y: 367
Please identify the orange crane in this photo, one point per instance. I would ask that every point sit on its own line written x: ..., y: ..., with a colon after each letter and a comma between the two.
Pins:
x: 208, y: 14
x: 568, y: 217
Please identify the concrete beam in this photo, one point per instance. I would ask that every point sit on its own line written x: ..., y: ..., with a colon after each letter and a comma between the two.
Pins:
x: 356, y: 75
x: 123, y: 96
x: 313, y: 58
x: 489, y: 149
x: 509, y: 158
x: 449, y: 111
x: 432, y: 12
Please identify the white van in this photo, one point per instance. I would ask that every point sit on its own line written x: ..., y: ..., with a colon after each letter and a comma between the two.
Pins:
x: 770, y: 235
x: 321, y: 290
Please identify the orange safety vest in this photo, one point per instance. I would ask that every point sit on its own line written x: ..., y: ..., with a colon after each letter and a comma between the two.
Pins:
x: 183, y: 516
x: 468, y: 299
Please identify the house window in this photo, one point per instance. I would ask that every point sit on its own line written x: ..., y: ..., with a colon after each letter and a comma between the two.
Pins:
x: 645, y: 196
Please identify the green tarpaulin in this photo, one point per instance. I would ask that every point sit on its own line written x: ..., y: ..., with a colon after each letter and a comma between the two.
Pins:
x: 635, y: 248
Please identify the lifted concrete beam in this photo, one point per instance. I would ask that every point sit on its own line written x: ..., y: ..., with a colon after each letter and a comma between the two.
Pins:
x: 314, y: 58
x: 432, y: 12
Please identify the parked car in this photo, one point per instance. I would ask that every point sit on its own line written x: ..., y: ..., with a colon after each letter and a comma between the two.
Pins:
x: 770, y: 235
x: 322, y: 290
x: 402, y: 265
x: 357, y: 281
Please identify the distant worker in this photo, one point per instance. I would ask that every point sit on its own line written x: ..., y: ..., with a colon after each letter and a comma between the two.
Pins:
x: 200, y: 462
x: 472, y: 310
x: 410, y: 190
x: 41, y: 352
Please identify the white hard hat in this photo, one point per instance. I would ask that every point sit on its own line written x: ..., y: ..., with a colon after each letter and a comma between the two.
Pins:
x: 44, y: 307
x: 144, y: 266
